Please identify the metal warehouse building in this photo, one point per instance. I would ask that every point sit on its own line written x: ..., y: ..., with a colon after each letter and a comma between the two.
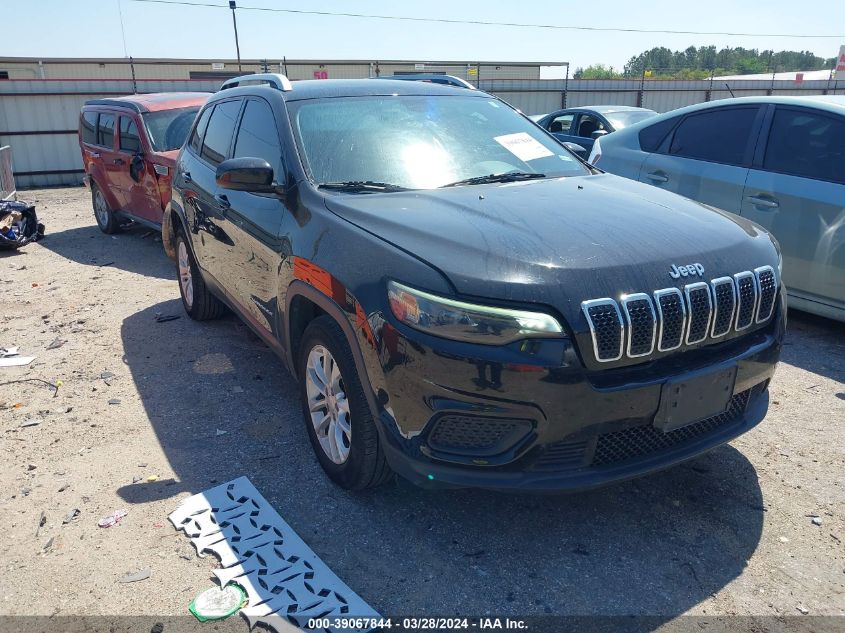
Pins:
x: 123, y: 68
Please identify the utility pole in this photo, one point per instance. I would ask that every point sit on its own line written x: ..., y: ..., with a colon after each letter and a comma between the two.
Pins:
x: 233, y: 6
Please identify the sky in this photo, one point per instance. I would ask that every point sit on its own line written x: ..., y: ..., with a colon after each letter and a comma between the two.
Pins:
x: 91, y: 28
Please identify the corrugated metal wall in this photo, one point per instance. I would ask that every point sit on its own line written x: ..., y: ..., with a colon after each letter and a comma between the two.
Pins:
x: 39, y: 118
x: 23, y: 68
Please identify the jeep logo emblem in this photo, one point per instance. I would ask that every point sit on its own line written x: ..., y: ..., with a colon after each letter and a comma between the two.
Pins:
x: 686, y: 271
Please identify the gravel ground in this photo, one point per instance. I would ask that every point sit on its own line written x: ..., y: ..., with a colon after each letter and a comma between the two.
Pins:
x: 728, y: 533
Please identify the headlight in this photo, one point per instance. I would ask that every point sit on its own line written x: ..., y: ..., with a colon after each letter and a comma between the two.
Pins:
x: 466, y: 321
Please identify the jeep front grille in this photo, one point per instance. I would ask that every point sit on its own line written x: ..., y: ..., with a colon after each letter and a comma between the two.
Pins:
x: 671, y: 317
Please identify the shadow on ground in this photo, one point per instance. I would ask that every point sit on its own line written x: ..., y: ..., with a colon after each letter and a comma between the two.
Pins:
x: 658, y: 545
x: 135, y: 249
x: 815, y: 344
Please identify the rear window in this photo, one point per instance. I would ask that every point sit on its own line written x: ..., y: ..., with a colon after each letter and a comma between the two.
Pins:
x: 653, y: 136
x: 129, y: 139
x: 168, y: 129
x: 807, y: 144
x: 719, y: 136
x: 218, y: 136
x: 88, y: 127
x: 199, y: 130
x: 105, y: 131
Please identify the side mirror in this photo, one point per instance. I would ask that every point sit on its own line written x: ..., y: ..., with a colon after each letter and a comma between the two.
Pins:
x: 137, y: 167
x: 598, y: 133
x: 576, y: 149
x: 246, y: 174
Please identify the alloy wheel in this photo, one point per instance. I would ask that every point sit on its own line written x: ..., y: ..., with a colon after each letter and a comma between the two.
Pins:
x: 101, y: 209
x: 328, y: 404
x: 185, y: 278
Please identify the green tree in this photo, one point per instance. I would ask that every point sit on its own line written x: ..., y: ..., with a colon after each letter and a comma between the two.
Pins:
x: 701, y: 62
x: 597, y: 71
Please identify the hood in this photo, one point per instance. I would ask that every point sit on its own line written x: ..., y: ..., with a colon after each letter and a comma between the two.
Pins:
x: 559, y: 241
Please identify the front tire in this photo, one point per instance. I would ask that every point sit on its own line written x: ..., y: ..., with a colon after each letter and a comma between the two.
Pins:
x: 197, y: 300
x: 337, y: 415
x: 105, y: 217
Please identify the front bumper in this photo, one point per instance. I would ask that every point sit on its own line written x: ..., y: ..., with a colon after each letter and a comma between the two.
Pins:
x: 556, y: 425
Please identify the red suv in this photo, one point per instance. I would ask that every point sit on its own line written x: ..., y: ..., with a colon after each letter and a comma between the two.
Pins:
x: 129, y: 147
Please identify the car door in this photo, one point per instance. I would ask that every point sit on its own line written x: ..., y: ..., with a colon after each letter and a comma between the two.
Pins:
x: 110, y: 159
x: 707, y: 156
x: 254, y: 219
x: 140, y: 188
x: 211, y: 230
x: 559, y: 125
x: 583, y: 128
x: 796, y: 190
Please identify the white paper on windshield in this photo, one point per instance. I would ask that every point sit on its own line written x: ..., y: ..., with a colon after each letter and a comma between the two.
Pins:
x: 523, y: 146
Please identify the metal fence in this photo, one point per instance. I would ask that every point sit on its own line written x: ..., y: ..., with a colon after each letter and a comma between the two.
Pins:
x: 7, y: 177
x: 39, y: 117
x: 660, y: 95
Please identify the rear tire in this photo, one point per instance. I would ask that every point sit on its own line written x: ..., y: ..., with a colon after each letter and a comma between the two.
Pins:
x: 197, y: 300
x: 105, y: 217
x: 337, y: 415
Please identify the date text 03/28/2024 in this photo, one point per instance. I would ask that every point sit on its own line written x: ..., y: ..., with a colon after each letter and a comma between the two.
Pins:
x: 418, y: 624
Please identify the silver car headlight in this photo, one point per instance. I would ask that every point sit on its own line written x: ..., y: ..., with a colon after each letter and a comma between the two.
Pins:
x: 461, y: 321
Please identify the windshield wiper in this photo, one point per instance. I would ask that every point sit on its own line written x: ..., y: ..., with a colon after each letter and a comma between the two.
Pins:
x: 353, y: 186
x: 509, y: 176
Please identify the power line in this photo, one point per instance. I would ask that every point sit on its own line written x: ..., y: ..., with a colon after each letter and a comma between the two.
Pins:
x: 484, y: 22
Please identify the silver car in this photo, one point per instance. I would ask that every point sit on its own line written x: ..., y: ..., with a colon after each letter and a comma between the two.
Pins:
x: 779, y: 161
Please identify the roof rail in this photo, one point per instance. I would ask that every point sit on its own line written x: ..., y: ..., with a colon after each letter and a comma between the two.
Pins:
x: 279, y: 82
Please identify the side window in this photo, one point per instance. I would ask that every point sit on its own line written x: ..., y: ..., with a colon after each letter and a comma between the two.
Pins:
x: 652, y: 137
x: 588, y: 124
x: 196, y: 136
x: 218, y: 135
x: 105, y: 131
x: 129, y: 140
x: 88, y: 127
x: 719, y: 136
x: 561, y: 124
x: 808, y: 144
x: 258, y: 137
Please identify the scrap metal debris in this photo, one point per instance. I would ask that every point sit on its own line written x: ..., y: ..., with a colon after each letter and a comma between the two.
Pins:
x: 71, y: 516
x: 42, y: 521
x: 57, y: 343
x: 285, y: 581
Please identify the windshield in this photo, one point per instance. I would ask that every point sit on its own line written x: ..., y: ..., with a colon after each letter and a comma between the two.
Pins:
x: 623, y: 119
x: 168, y: 129
x: 422, y: 142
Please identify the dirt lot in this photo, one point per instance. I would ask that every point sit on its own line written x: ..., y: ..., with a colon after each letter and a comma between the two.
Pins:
x: 729, y: 533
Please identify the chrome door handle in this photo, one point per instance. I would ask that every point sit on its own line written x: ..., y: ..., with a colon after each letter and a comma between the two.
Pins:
x: 657, y: 177
x: 766, y: 203
x: 119, y: 161
x: 186, y: 176
x: 95, y: 154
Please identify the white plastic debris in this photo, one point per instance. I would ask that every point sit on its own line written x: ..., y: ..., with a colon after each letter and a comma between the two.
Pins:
x: 9, y: 358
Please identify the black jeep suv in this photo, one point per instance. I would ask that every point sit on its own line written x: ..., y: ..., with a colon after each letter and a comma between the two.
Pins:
x: 463, y: 301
